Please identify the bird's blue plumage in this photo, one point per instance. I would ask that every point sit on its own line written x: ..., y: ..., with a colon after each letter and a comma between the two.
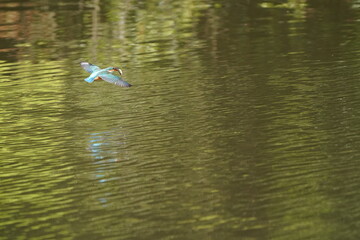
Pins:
x: 108, y: 77
x: 104, y: 74
x: 89, y: 67
x: 89, y: 79
x: 95, y: 74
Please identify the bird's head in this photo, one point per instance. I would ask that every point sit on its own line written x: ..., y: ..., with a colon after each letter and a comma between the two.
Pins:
x: 114, y: 69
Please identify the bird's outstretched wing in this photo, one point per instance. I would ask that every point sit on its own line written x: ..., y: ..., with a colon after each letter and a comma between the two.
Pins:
x: 108, y: 77
x: 89, y: 67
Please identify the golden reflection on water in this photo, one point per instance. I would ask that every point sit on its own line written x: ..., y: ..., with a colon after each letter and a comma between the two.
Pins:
x: 33, y: 142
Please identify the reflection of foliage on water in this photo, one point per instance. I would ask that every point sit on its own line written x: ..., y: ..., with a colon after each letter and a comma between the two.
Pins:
x: 34, y: 141
x: 139, y: 33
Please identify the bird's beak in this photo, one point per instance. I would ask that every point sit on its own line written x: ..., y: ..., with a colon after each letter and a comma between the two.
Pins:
x: 116, y: 69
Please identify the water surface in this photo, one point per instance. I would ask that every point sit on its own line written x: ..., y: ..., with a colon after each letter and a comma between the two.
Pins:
x: 242, y: 122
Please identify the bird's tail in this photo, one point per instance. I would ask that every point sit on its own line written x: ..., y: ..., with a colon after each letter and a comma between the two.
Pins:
x: 89, y: 79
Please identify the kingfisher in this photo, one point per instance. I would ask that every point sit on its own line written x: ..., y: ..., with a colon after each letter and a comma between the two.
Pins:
x: 104, y: 74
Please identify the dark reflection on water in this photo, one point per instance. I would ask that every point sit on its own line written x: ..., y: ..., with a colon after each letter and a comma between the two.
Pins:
x: 242, y: 122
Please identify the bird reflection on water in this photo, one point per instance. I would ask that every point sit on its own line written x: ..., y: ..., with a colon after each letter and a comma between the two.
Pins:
x: 106, y: 148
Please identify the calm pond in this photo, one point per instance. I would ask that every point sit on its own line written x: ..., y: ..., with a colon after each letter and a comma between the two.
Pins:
x: 243, y: 121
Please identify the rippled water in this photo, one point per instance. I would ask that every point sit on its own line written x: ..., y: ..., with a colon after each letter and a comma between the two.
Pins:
x: 242, y: 122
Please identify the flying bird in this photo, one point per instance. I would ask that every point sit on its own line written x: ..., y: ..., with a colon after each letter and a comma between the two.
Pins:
x: 104, y: 74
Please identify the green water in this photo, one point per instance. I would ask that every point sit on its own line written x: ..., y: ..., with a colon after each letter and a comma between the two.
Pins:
x: 243, y: 120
